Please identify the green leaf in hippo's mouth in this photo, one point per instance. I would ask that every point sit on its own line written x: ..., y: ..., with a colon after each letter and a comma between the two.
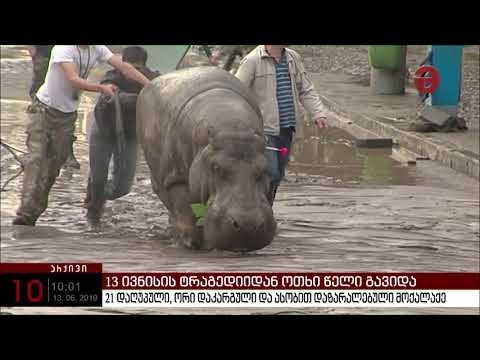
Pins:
x: 199, y: 209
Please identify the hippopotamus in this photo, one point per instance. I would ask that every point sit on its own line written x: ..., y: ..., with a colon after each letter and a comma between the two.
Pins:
x: 201, y: 132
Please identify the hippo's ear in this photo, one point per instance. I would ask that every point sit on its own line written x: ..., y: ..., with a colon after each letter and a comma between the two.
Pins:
x: 205, y: 154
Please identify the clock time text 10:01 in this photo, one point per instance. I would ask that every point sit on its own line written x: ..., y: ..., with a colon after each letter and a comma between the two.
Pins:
x: 65, y: 286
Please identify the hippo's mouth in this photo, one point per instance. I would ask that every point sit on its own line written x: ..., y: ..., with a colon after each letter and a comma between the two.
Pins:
x: 225, y: 230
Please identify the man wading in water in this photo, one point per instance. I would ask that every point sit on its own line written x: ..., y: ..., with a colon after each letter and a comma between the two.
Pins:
x: 275, y: 72
x: 53, y: 116
x: 40, y: 59
x: 104, y: 139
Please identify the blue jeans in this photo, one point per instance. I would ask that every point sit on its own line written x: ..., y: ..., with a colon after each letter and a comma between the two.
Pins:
x: 276, y: 163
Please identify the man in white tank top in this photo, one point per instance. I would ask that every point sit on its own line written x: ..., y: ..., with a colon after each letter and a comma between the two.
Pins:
x: 53, y: 116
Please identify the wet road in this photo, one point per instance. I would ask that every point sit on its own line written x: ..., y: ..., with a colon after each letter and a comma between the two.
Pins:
x: 341, y: 209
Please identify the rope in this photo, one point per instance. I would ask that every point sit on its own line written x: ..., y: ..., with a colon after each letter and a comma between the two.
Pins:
x: 11, y: 179
x: 119, y: 131
x: 11, y: 150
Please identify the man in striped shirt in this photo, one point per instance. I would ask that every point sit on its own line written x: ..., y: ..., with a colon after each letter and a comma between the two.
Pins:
x: 278, y: 78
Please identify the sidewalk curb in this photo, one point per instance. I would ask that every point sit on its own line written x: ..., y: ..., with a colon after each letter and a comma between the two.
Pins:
x: 414, y: 142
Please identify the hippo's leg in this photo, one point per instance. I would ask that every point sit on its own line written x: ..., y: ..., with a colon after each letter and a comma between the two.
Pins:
x: 122, y: 180
x: 186, y: 231
x: 176, y: 197
x: 163, y: 196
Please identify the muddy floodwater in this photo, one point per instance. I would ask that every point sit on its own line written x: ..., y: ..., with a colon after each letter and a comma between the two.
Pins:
x: 341, y: 209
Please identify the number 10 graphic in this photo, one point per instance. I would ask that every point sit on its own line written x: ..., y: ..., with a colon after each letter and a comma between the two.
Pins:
x: 33, y: 286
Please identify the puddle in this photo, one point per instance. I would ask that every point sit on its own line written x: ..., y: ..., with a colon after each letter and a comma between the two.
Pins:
x: 332, y: 153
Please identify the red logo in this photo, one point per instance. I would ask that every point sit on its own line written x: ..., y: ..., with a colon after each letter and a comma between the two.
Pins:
x: 426, y: 84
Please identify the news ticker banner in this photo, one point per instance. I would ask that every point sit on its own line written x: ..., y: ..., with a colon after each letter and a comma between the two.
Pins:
x: 85, y: 285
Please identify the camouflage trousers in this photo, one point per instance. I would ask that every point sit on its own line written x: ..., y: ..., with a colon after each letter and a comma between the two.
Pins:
x: 49, y: 141
x: 40, y: 68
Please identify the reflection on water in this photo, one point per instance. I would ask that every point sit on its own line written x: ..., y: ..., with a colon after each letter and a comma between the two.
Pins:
x: 332, y: 153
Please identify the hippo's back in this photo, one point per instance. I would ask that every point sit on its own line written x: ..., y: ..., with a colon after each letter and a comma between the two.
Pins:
x: 174, y: 90
x: 167, y: 125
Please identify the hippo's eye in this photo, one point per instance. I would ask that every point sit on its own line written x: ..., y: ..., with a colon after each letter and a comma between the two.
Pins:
x: 215, y: 168
x: 222, y: 172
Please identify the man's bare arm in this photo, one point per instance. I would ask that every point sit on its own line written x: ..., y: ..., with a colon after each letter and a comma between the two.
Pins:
x: 128, y: 70
x: 77, y: 82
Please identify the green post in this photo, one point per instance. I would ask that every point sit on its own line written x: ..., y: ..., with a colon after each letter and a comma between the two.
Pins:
x: 387, y: 69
